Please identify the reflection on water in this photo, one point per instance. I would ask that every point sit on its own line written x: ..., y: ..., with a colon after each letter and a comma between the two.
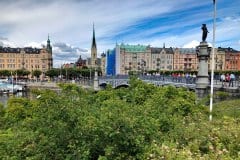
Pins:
x: 4, y: 97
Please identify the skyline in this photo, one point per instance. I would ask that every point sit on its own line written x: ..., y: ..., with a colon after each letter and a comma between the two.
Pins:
x: 147, y: 22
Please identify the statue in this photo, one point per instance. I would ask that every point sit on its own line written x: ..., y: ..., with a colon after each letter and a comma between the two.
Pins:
x: 204, y: 32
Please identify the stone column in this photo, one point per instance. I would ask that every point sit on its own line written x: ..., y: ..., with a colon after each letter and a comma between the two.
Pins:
x: 96, y: 81
x: 202, y: 83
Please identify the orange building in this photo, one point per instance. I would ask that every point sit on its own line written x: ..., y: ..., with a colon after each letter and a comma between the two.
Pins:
x: 232, y: 59
x: 185, y: 59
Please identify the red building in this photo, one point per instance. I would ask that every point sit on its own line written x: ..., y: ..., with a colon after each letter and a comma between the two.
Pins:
x: 232, y: 59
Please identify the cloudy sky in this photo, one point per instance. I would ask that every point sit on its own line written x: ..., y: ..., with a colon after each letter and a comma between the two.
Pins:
x: 177, y: 23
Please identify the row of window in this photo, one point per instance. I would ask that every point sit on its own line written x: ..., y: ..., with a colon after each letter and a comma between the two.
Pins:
x: 162, y: 56
x: 11, y: 55
x: 19, y: 66
x: 20, y: 61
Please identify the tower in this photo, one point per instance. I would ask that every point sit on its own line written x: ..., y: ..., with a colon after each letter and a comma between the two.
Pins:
x: 49, y: 50
x: 93, y: 50
x: 49, y: 47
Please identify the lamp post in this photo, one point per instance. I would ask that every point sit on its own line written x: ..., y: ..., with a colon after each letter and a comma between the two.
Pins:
x: 213, y: 52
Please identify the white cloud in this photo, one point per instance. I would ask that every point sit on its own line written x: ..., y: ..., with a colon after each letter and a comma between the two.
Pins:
x: 4, y: 42
x: 27, y: 22
x: 66, y: 53
x: 192, y: 44
x: 35, y: 44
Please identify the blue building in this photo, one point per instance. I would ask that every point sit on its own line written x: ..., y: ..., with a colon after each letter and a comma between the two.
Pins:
x: 111, y: 62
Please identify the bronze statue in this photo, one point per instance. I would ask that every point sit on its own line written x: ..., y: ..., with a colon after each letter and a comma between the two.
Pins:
x: 205, y: 32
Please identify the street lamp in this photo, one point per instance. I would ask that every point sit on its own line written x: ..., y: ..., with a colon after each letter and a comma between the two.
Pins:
x: 143, y: 64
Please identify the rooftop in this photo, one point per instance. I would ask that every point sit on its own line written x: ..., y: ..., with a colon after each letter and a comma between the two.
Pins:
x: 228, y: 50
x: 187, y: 50
x: 29, y: 50
x: 158, y: 50
x: 133, y: 48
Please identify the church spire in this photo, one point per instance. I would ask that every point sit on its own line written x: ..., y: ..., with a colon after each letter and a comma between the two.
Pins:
x: 94, y: 50
x: 93, y: 38
x: 49, y: 50
x: 49, y: 47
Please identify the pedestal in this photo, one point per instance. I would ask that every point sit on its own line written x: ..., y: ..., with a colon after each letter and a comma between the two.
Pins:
x: 96, y: 81
x: 202, y: 82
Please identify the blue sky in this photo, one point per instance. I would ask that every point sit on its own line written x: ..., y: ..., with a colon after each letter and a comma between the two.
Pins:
x: 177, y: 23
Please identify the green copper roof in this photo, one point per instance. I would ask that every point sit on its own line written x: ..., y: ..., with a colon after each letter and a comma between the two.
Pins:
x: 133, y: 48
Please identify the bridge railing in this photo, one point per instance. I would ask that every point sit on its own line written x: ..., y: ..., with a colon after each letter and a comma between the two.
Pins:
x: 173, y: 79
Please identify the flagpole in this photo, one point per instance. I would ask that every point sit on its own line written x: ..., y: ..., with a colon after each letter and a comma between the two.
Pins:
x: 213, y: 60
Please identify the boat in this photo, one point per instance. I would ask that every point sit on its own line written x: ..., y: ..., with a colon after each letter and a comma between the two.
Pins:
x: 10, y: 88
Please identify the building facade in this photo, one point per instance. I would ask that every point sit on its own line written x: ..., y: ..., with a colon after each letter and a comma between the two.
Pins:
x: 161, y: 59
x: 125, y: 58
x: 132, y: 58
x: 232, y: 59
x: 111, y: 62
x: 80, y: 63
x: 103, y: 63
x: 27, y: 58
x: 219, y: 59
x: 185, y: 59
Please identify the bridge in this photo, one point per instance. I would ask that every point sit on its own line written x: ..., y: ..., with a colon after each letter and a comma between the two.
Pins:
x: 162, y: 80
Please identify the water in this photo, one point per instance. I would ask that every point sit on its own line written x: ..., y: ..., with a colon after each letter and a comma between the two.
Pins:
x: 4, y: 97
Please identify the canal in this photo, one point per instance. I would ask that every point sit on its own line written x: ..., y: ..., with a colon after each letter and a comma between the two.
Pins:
x: 4, y: 97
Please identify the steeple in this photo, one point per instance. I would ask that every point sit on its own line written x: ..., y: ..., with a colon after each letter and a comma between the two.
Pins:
x: 94, y: 50
x: 94, y: 45
x: 49, y: 50
x: 49, y: 47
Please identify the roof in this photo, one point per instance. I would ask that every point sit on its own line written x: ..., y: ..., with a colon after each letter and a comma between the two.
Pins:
x: 133, y: 48
x: 187, y: 50
x: 228, y: 50
x: 29, y: 50
x: 94, y: 44
x: 159, y: 50
x: 103, y: 55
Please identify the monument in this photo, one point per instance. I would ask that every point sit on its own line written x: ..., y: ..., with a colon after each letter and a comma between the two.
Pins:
x: 96, y: 81
x: 203, y: 54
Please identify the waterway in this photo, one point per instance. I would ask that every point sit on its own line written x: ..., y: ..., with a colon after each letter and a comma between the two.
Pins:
x: 4, y: 97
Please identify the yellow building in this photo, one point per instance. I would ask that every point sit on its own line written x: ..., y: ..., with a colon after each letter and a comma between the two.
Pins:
x: 27, y: 58
x: 219, y: 57
x: 162, y: 58
x: 136, y: 58
x: 103, y: 63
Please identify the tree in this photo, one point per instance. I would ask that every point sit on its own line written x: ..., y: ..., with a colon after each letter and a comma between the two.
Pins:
x: 139, y: 122
x: 36, y: 73
x: 5, y: 73
x: 21, y: 72
x: 53, y: 72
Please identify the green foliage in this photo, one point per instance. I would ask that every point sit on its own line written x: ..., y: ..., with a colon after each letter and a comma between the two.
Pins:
x: 230, y: 108
x: 221, y: 95
x: 71, y: 73
x: 21, y: 72
x: 36, y: 73
x: 5, y: 73
x: 53, y: 72
x: 139, y: 122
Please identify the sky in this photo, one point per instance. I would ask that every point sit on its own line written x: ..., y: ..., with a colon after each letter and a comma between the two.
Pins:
x: 69, y: 23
